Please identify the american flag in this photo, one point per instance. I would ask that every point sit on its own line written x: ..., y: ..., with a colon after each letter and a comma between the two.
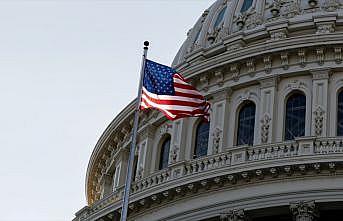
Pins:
x: 168, y: 91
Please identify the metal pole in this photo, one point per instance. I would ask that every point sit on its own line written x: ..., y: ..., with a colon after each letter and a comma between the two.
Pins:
x: 133, y: 140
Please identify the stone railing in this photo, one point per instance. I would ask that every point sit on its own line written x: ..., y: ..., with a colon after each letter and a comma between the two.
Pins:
x: 152, y: 180
x: 328, y: 145
x: 307, y: 146
x: 273, y: 151
x: 113, y: 197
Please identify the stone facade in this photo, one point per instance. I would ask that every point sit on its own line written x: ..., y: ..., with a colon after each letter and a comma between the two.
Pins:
x: 262, y: 55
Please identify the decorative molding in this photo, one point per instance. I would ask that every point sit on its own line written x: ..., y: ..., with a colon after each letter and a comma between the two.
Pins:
x: 318, y: 120
x: 291, y: 9
x: 174, y: 153
x: 278, y: 34
x: 233, y: 215
x: 268, y: 82
x: 265, y: 123
x: 250, y: 65
x: 247, y: 95
x: 320, y: 74
x: 254, y: 20
x: 320, y: 55
x: 216, y: 139
x: 234, y: 72
x: 296, y: 84
x: 165, y: 129
x: 267, y: 60
x: 219, y: 75
x: 302, y: 57
x: 325, y: 27
x: 303, y: 211
x: 330, y: 5
x: 338, y: 54
x: 284, y: 60
x: 204, y: 81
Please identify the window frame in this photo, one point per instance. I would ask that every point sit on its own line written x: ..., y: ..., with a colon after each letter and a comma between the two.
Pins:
x: 287, y: 97
x: 194, y: 149
x: 164, y: 139
x: 238, y: 112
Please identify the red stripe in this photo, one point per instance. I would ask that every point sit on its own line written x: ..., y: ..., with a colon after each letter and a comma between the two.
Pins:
x: 175, y: 102
x: 179, y: 76
x: 181, y: 94
x: 184, y: 86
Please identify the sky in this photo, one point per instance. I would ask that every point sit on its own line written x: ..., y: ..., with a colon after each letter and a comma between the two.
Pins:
x: 67, y: 68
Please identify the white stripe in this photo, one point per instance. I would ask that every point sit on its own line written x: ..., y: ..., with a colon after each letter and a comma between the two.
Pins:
x: 186, y: 91
x: 170, y: 107
x: 179, y: 81
x: 143, y: 103
x: 171, y: 97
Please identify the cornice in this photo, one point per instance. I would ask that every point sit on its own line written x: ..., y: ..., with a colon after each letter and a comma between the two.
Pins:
x: 306, y: 41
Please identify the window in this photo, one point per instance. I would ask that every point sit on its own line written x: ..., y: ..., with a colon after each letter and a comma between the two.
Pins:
x: 201, y: 139
x: 340, y: 114
x: 220, y: 18
x: 295, y: 116
x: 116, y: 177
x: 164, y: 155
x: 246, y: 5
x: 246, y: 124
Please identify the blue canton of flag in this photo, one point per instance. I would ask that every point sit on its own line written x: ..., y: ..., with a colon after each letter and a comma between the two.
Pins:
x: 166, y: 90
x: 158, y: 79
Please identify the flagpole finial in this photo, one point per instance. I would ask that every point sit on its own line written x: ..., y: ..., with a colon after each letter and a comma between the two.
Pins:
x: 146, y: 44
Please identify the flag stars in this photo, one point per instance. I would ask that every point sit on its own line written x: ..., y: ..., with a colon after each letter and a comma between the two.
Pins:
x: 158, y: 78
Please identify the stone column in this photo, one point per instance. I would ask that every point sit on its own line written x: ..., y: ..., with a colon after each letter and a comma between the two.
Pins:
x: 303, y: 211
x: 106, y: 185
x: 233, y: 215
x: 320, y: 102
x: 218, y: 119
x: 268, y: 91
x: 141, y: 153
x: 146, y: 143
x: 176, y: 141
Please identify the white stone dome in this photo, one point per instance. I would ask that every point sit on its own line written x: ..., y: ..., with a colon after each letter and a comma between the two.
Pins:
x: 229, y: 24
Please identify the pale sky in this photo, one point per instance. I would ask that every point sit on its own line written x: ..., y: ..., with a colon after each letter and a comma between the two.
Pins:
x: 67, y: 67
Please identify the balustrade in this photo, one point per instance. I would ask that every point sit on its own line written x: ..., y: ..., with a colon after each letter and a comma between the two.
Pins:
x: 248, y: 154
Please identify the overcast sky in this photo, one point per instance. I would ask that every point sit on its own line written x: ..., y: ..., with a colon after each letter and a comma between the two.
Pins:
x: 67, y: 67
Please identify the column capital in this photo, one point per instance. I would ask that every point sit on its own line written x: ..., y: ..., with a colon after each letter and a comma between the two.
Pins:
x: 268, y: 82
x: 221, y: 94
x: 321, y: 73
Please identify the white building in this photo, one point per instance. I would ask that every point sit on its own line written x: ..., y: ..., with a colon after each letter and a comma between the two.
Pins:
x: 273, y: 73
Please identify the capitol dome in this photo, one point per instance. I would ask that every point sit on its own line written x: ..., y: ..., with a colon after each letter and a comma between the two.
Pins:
x: 273, y: 150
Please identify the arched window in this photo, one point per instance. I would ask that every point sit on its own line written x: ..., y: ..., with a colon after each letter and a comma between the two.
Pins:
x: 340, y: 114
x: 295, y: 116
x: 246, y: 124
x: 220, y: 18
x: 164, y: 155
x: 246, y: 5
x: 201, y: 139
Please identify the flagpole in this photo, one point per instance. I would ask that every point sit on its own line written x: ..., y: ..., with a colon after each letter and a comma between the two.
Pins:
x: 133, y: 140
